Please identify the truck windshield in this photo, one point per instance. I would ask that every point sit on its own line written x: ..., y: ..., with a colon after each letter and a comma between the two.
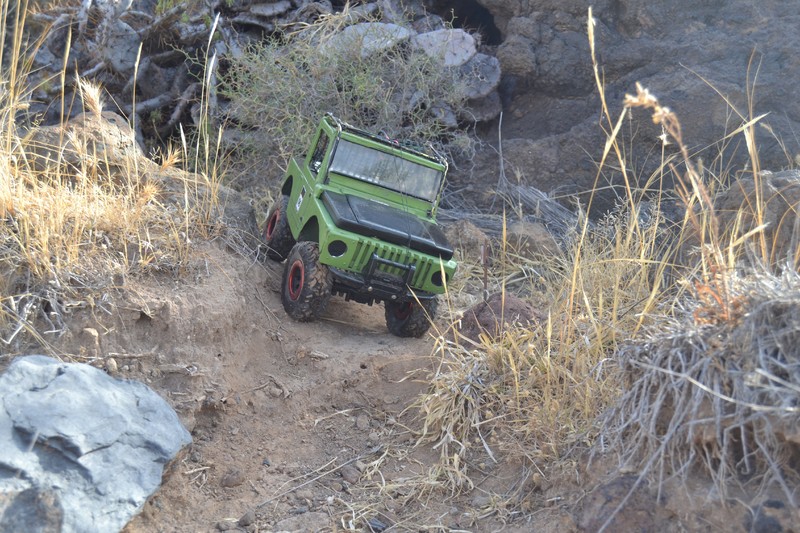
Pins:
x: 386, y: 170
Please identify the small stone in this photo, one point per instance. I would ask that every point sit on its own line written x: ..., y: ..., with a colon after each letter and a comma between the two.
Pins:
x: 480, y: 501
x: 226, y: 525
x: 304, y: 495
x: 93, y: 341
x: 361, y: 466
x: 374, y: 437
x: 301, y: 352
x: 247, y: 519
x: 362, y: 422
x: 350, y: 474
x: 376, y: 525
x: 337, y: 486
x: 233, y: 478
x: 111, y: 366
x: 275, y: 392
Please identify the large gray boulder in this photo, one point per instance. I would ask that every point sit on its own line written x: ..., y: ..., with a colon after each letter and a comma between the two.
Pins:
x: 365, y: 39
x: 81, y: 451
x: 92, y: 140
x: 452, y: 47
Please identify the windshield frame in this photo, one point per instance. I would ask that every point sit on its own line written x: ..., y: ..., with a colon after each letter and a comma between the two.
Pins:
x: 388, y: 169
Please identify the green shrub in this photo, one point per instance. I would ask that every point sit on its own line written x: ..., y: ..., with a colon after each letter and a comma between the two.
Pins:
x: 280, y: 89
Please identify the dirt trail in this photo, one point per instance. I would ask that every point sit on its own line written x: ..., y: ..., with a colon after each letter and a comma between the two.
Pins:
x: 271, y: 403
x: 310, y: 427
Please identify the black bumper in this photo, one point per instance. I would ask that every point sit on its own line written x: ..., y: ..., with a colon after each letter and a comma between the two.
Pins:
x: 374, y: 284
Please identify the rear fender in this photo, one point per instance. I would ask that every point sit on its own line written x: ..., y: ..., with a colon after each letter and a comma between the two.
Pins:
x: 286, y: 188
x: 310, y: 231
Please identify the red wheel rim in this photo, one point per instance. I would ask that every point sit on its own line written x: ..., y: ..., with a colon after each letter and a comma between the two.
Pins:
x: 271, y: 223
x: 295, y: 280
x: 403, y: 311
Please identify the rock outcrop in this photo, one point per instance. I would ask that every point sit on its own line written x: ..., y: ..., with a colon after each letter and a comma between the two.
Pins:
x: 133, y: 46
x: 714, y: 63
x: 698, y: 58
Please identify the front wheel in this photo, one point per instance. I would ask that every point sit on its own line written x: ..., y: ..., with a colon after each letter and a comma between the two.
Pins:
x: 307, y: 283
x: 410, y: 319
x: 277, y: 235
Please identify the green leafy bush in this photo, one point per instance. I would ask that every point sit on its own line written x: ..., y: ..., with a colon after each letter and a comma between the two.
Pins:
x: 280, y: 89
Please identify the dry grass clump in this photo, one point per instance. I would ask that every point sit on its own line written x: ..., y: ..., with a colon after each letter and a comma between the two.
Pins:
x: 671, y: 342
x: 715, y: 382
x: 76, y: 216
x: 535, y: 391
x: 280, y: 88
x: 721, y: 393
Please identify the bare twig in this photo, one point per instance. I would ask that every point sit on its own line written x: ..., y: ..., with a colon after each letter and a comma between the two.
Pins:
x: 371, y: 451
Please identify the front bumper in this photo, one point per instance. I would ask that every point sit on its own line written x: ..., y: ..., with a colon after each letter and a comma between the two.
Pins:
x: 374, y: 284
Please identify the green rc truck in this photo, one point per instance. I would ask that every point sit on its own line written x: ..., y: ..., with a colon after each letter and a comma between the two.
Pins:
x: 357, y: 217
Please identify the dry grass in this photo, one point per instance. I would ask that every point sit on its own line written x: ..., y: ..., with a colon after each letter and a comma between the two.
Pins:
x: 75, y: 217
x: 535, y: 392
x: 723, y: 395
x: 715, y: 383
x: 670, y: 342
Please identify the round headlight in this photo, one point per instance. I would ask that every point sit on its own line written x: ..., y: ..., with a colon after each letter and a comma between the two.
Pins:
x: 337, y: 248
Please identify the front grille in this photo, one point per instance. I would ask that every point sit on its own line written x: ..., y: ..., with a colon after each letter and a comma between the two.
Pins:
x: 363, y: 252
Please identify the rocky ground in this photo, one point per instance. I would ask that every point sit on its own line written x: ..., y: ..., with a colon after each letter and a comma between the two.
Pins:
x: 717, y: 65
x: 312, y: 427
x: 296, y: 427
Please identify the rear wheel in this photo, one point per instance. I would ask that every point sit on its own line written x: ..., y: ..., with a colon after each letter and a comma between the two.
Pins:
x: 410, y: 319
x: 307, y: 283
x: 277, y: 235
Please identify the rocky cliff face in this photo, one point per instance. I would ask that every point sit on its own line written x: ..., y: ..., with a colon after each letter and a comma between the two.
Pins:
x: 702, y: 59
x: 716, y: 63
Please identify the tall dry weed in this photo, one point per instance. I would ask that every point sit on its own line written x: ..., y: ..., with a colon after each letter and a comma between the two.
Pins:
x: 76, y: 218
x: 714, y: 382
x: 542, y: 393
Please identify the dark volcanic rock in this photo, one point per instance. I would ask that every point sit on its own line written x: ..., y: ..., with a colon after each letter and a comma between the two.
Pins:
x: 692, y: 55
x: 497, y: 314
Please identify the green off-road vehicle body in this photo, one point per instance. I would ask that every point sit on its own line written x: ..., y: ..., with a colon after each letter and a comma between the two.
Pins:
x: 362, y: 209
